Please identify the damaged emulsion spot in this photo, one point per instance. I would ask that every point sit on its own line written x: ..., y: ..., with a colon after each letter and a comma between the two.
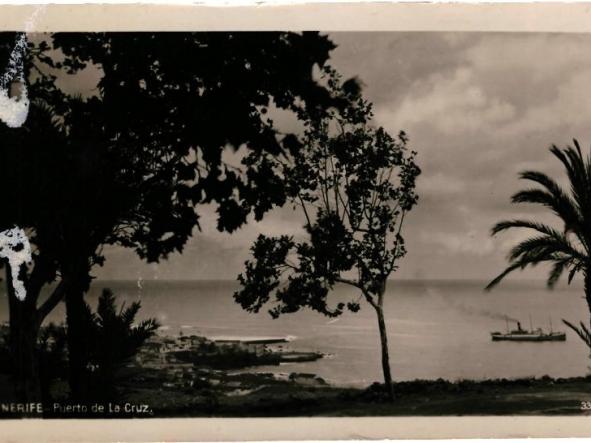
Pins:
x: 15, y: 247
x: 14, y: 243
x: 14, y: 109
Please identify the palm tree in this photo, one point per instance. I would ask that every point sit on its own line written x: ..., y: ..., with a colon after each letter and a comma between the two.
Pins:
x: 566, y: 249
x: 113, y: 339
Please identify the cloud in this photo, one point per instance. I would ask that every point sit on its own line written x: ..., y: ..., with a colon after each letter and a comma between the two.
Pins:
x: 451, y: 104
x: 533, y: 60
x: 569, y: 109
x: 440, y: 185
x: 454, y: 244
x: 478, y: 107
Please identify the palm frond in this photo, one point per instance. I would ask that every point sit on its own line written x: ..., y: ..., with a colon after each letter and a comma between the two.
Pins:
x: 544, y: 247
x: 540, y: 227
x: 576, y: 143
x: 551, y: 245
x: 533, y: 195
x: 530, y: 258
x: 106, y: 306
x: 128, y: 315
x: 583, y: 332
x: 573, y: 271
x: 557, y: 270
x: 553, y: 197
x: 146, y: 329
x: 502, y: 275
x: 577, y: 170
x: 543, y: 179
x: 46, y: 117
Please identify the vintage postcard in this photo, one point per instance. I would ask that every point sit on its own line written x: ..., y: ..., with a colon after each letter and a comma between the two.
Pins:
x: 295, y: 222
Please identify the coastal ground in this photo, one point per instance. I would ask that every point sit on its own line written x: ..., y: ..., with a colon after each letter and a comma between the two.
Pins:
x: 543, y: 396
x: 249, y: 395
x: 209, y: 387
x: 197, y: 377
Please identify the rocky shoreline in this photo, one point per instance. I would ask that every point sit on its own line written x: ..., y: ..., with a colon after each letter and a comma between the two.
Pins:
x: 210, y: 388
x: 187, y: 362
x: 193, y: 376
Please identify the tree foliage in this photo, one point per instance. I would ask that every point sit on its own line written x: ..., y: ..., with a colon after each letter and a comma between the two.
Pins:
x: 136, y: 158
x: 567, y: 248
x: 149, y: 146
x: 130, y: 164
x: 114, y: 338
x: 354, y: 185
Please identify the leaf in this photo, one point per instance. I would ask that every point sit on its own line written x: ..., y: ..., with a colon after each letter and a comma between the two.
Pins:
x: 581, y: 331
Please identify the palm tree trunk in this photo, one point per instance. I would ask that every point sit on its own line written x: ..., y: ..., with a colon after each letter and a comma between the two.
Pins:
x: 587, y: 286
x: 384, y: 344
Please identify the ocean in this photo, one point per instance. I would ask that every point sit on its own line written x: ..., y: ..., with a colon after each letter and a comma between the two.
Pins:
x: 436, y: 329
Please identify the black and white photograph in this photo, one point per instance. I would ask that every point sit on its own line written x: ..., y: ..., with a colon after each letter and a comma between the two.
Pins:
x: 294, y: 223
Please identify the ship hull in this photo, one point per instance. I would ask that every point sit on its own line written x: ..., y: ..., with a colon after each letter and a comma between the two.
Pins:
x: 529, y: 337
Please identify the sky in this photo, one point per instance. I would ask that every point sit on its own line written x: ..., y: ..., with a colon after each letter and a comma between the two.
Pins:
x: 478, y: 108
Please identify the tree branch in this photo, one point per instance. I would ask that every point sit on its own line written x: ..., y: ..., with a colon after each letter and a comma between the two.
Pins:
x: 349, y: 282
x: 396, y: 242
x: 357, y: 285
x: 52, y: 301
x: 36, y: 279
x: 305, y: 210
x: 369, y: 299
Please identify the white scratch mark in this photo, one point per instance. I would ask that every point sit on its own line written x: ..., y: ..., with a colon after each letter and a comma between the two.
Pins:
x: 15, y: 246
x: 14, y: 243
x: 14, y: 110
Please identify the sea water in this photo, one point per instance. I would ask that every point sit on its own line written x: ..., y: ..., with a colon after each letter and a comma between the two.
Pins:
x: 436, y: 329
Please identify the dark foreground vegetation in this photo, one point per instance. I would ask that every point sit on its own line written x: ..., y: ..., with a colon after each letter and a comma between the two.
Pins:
x: 137, y: 373
x: 211, y: 390
x: 431, y: 398
x: 262, y: 395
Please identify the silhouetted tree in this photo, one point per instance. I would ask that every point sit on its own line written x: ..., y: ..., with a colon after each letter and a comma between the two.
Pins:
x: 51, y: 349
x: 129, y: 165
x: 566, y: 248
x: 354, y: 185
x: 31, y: 163
x: 52, y: 358
x: 115, y: 339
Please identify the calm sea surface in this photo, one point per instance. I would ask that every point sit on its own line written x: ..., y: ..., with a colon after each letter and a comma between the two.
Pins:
x: 436, y: 329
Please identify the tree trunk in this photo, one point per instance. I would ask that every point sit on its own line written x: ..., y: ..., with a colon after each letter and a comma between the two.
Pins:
x: 587, y: 281
x: 384, y: 344
x: 24, y: 325
x: 77, y: 274
x: 77, y: 324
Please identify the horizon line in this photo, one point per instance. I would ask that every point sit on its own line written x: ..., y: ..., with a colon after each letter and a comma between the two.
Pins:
x: 389, y: 280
